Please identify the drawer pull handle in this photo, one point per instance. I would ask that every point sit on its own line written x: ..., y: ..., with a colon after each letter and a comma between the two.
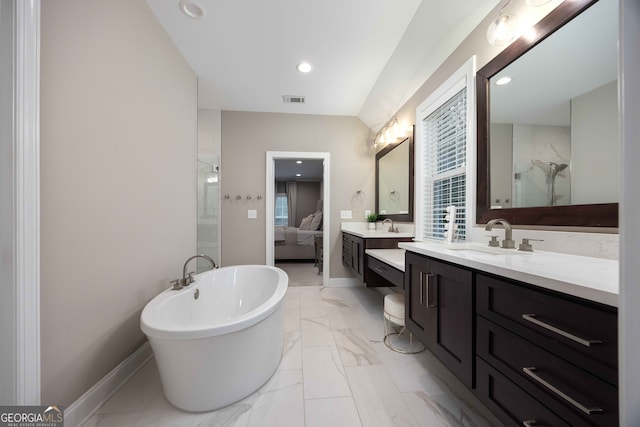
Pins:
x: 531, y: 372
x: 427, y: 282
x: 585, y: 342
x: 529, y: 423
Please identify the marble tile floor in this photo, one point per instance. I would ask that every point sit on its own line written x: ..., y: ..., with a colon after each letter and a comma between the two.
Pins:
x: 335, y: 371
x: 301, y: 273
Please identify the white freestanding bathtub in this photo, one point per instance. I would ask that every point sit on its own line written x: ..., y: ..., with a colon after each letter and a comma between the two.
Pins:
x: 222, y: 346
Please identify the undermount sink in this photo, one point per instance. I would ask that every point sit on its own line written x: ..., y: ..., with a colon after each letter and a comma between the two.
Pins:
x: 480, y: 248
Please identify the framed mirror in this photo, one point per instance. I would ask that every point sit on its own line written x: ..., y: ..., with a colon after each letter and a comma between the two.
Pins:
x: 394, y: 181
x: 548, y: 137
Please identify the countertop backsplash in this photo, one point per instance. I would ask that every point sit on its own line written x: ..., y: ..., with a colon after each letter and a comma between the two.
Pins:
x: 598, y: 245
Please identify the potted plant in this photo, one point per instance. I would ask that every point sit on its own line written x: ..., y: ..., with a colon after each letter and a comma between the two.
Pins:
x: 371, y: 219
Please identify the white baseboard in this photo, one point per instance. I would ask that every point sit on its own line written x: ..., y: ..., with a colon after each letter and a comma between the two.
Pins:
x: 85, y: 406
x: 345, y: 282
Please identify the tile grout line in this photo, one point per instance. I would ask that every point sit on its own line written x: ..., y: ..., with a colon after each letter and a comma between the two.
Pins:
x: 304, y: 406
x: 355, y: 404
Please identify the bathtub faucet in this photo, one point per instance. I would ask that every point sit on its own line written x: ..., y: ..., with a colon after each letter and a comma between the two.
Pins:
x: 187, y: 278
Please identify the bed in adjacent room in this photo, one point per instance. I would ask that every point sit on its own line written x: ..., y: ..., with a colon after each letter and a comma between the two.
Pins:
x: 298, y: 243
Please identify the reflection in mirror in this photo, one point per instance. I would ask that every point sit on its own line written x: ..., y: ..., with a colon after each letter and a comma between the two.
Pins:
x: 393, y: 185
x: 554, y: 124
x: 548, y: 137
x: 394, y: 181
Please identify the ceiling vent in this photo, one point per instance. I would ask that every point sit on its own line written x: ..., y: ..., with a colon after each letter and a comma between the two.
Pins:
x: 292, y: 99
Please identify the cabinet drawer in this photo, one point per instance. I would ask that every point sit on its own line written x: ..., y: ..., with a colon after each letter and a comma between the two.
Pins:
x: 346, y: 250
x: 511, y: 404
x: 393, y: 275
x: 346, y: 259
x: 572, y: 393
x: 580, y: 331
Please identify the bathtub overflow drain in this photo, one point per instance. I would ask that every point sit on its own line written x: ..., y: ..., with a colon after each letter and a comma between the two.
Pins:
x: 196, y: 294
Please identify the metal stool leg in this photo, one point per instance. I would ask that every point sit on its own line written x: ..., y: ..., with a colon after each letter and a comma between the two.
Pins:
x: 394, y: 339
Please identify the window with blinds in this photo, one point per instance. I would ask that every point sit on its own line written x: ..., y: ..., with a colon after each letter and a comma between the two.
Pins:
x: 281, y: 210
x: 444, y: 163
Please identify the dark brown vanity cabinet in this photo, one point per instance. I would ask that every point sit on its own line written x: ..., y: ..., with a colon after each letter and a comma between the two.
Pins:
x: 533, y: 356
x: 439, y: 311
x: 354, y: 258
x: 543, y: 357
x: 353, y: 254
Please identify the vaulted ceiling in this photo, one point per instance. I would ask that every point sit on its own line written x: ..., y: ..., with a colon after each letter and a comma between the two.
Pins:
x: 368, y: 56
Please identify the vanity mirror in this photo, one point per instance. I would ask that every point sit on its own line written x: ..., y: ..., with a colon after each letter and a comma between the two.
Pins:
x: 548, y: 142
x: 394, y: 181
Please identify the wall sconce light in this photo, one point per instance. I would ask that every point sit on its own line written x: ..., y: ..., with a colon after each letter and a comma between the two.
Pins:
x: 503, y: 29
x: 391, y: 132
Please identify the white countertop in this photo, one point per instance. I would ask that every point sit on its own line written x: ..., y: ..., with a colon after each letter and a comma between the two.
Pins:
x: 360, y: 229
x: 393, y: 257
x: 595, y: 279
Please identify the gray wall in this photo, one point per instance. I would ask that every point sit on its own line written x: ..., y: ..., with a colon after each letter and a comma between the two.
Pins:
x: 118, y: 183
x: 308, y: 196
x: 247, y: 136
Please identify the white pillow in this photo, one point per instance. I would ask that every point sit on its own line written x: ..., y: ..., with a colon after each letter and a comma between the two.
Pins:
x: 316, y: 223
x: 306, y: 222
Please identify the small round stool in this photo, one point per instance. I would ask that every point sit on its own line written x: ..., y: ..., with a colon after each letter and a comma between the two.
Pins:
x: 396, y: 335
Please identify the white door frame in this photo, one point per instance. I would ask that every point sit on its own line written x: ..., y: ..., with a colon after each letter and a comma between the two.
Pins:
x: 25, y: 222
x: 270, y: 202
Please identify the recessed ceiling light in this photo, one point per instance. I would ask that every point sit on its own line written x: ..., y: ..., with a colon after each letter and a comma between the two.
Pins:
x: 298, y: 174
x: 299, y: 162
x: 503, y: 80
x: 304, y: 67
x: 192, y: 9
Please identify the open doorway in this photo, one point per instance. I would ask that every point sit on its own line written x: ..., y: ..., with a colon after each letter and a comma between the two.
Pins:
x: 297, y: 230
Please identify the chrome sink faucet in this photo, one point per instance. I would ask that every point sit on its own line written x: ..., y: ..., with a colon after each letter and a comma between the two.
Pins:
x: 391, y: 229
x: 187, y: 278
x: 508, y: 242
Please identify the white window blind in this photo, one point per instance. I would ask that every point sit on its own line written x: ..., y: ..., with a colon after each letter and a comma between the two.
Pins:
x: 281, y: 210
x: 444, y: 163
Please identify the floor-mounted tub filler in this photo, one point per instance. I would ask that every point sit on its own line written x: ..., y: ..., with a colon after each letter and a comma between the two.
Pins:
x: 218, y: 339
